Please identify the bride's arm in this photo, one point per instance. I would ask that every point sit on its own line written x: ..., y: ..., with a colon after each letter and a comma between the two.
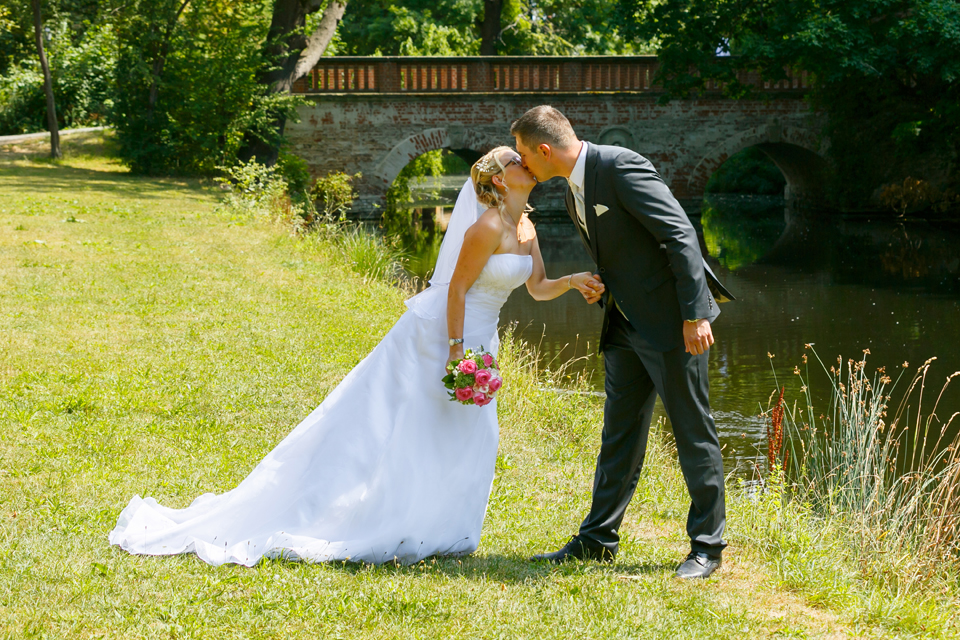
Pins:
x: 543, y: 288
x: 479, y: 243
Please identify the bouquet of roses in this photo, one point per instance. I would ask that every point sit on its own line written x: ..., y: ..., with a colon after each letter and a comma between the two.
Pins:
x: 473, y: 380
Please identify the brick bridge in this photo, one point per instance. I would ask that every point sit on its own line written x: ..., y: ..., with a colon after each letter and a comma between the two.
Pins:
x: 374, y: 115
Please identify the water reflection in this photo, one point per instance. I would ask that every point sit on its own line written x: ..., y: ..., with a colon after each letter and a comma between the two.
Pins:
x: 844, y: 284
x: 739, y: 230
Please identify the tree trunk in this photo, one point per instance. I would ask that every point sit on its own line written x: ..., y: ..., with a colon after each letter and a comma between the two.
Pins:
x: 290, y: 55
x: 161, y: 60
x: 490, y: 31
x: 47, y: 84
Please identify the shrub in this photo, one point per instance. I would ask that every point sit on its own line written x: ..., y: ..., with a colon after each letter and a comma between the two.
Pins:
x: 913, y: 196
x: 334, y: 194
x: 295, y: 172
x: 259, y: 192
x: 22, y: 104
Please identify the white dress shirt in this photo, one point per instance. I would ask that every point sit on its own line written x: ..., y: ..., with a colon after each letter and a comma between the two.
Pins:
x: 576, y: 181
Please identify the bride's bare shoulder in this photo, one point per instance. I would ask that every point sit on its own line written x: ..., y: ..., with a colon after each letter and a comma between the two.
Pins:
x: 487, y: 231
x: 492, y: 212
x: 489, y: 222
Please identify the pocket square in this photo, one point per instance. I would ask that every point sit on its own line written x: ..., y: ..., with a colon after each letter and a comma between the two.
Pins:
x: 600, y: 209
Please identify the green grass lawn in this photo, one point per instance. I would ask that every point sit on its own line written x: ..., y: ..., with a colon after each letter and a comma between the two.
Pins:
x: 150, y: 345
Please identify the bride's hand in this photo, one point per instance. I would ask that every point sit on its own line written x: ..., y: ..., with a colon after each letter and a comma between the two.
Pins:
x: 590, y: 286
x: 456, y: 353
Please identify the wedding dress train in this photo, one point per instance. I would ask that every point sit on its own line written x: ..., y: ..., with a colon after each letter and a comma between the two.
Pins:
x: 386, y: 468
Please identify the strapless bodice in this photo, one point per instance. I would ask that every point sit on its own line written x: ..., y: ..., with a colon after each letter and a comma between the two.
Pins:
x: 503, y: 273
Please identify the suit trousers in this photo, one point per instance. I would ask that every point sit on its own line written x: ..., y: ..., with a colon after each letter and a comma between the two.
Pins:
x: 635, y: 375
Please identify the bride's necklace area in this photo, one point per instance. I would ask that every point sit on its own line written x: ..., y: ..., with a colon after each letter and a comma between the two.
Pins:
x: 525, y: 229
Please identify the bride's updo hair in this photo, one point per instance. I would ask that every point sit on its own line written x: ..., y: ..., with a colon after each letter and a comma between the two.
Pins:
x: 482, y: 173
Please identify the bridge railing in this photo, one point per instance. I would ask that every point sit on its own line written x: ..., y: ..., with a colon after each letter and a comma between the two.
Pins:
x: 399, y: 74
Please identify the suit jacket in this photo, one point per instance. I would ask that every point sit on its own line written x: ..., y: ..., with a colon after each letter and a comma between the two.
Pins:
x: 645, y: 248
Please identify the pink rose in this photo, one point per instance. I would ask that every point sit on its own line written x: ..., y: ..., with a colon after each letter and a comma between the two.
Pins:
x: 480, y: 399
x: 495, y: 384
x: 468, y: 366
x: 463, y: 394
x: 482, y: 377
x: 488, y: 360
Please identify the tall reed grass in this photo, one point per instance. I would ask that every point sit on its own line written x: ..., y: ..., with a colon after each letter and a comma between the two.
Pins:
x: 891, y: 475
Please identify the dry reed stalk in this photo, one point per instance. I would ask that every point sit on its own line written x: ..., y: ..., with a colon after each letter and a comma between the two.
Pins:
x: 776, y: 456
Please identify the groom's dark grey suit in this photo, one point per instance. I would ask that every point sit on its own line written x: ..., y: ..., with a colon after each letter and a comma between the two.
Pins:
x: 648, y: 256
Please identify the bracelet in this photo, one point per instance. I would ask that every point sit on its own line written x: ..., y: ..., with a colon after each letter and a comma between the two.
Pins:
x: 570, y: 282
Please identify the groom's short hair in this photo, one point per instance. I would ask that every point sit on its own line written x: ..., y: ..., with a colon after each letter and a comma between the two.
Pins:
x: 544, y: 125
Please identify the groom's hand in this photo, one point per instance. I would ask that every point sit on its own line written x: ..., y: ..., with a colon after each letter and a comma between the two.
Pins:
x: 592, y: 289
x: 697, y: 336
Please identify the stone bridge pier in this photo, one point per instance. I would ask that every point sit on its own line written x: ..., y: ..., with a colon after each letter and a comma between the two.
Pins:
x: 375, y: 115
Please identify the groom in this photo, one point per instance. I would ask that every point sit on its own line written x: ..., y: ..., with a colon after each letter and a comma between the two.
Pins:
x: 660, y: 301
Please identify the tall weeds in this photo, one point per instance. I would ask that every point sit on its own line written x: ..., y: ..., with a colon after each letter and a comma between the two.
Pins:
x: 258, y: 192
x: 894, y: 481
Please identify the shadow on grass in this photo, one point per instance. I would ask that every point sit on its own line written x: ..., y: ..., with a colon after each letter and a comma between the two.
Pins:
x: 47, y: 177
x: 503, y: 568
x: 90, y: 163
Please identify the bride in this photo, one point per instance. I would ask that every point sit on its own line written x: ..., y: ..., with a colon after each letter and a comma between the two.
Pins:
x: 387, y: 468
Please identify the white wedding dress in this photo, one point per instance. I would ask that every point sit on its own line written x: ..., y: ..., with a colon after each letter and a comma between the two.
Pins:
x: 387, y: 468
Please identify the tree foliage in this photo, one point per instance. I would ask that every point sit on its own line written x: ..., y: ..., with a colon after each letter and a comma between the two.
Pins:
x: 187, y: 87
x: 886, y: 72
x: 453, y: 27
x: 748, y: 172
x: 82, y: 51
x: 294, y: 43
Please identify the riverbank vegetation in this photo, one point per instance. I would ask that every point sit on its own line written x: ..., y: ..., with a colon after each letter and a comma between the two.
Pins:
x: 156, y: 342
x: 876, y: 456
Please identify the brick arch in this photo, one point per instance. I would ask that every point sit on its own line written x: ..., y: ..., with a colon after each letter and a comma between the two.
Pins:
x: 796, y: 152
x: 453, y: 138
x: 407, y: 150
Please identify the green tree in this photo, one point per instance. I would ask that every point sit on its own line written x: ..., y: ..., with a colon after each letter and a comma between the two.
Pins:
x: 457, y: 27
x: 292, y: 47
x: 885, y: 71
x: 187, y: 87
x: 80, y: 47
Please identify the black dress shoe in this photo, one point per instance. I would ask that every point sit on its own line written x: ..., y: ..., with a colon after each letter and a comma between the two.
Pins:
x: 698, y: 565
x: 577, y: 549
